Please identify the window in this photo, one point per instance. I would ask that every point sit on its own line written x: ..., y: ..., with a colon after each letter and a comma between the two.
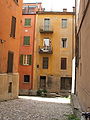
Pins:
x: 64, y: 43
x: 10, y: 62
x: 26, y: 40
x: 26, y: 78
x: 27, y: 22
x: 25, y: 59
x: 42, y: 82
x: 10, y: 87
x: 13, y: 27
x: 49, y: 82
x: 45, y: 62
x: 46, y: 42
x: 46, y: 24
x: 63, y: 63
x: 66, y: 83
x: 64, y: 23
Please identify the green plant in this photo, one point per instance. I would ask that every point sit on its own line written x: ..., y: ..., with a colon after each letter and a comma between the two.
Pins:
x: 72, y: 117
x: 41, y: 92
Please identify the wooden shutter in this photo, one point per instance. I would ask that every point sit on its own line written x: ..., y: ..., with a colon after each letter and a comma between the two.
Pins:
x: 63, y: 63
x: 27, y: 22
x: 45, y: 62
x: 21, y: 59
x: 30, y: 59
x: 13, y: 27
x: 26, y: 40
x: 10, y: 62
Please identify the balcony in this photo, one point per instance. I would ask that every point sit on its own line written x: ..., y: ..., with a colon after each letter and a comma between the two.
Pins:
x: 27, y: 12
x: 45, y: 49
x: 46, y: 29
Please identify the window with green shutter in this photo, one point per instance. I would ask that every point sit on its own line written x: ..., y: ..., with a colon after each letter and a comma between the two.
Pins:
x: 30, y: 59
x: 27, y: 22
x: 26, y: 40
x: 25, y: 59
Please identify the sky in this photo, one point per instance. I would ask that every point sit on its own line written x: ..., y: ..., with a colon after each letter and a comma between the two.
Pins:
x: 54, y: 5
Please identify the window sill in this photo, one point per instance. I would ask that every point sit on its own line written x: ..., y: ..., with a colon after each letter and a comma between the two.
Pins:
x: 26, y: 45
x: 26, y: 65
x: 27, y: 26
x: 26, y: 82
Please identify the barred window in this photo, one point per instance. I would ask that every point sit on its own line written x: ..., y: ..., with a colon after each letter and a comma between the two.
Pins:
x: 64, y: 23
x: 45, y: 62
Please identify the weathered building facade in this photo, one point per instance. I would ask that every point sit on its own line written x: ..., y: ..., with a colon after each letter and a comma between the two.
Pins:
x: 53, y: 51
x: 27, y: 46
x: 10, y: 27
x: 82, y: 53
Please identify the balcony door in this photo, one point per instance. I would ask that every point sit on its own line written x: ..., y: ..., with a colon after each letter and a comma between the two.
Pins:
x: 46, y: 42
x: 46, y: 24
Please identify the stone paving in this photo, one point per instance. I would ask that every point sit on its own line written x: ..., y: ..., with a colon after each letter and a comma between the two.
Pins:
x: 35, y: 108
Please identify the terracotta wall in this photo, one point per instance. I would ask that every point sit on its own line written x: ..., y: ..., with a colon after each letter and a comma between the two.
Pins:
x: 7, y: 43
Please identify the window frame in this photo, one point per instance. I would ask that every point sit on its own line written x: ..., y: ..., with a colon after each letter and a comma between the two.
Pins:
x: 24, y: 78
x: 13, y: 27
x: 25, y: 22
x: 63, y: 67
x: 28, y: 41
x: 44, y: 66
x: 64, y: 24
x: 62, y: 42
x: 64, y: 81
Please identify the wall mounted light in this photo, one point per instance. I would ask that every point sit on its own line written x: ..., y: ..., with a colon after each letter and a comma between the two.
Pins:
x: 2, y: 41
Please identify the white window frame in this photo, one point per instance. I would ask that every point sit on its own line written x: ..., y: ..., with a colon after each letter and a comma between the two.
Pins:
x: 62, y: 42
x: 64, y: 24
x: 25, y: 60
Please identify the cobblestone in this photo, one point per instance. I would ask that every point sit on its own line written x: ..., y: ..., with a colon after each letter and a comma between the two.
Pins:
x: 35, y: 108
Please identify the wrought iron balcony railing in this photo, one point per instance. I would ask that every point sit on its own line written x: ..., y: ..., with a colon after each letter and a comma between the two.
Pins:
x: 46, y: 29
x: 26, y: 11
x: 45, y: 49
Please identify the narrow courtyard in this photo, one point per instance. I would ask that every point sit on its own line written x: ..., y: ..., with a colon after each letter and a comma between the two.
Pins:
x: 35, y: 108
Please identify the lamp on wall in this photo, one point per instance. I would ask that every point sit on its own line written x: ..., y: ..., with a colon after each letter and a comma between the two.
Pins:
x: 2, y: 41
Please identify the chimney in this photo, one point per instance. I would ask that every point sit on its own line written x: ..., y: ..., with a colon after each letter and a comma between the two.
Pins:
x: 64, y: 9
x: 74, y: 9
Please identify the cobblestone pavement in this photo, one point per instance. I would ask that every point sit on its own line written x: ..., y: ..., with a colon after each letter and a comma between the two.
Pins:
x: 35, y: 108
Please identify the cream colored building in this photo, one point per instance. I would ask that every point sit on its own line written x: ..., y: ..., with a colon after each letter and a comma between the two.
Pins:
x: 83, y: 54
x: 53, y: 51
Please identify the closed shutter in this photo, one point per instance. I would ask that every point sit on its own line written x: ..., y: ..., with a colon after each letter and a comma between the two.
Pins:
x: 45, y: 62
x: 13, y: 27
x: 63, y: 63
x: 10, y: 62
x: 21, y: 59
x: 26, y: 40
x: 27, y: 22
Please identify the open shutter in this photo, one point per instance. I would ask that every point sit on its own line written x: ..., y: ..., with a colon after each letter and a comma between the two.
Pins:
x: 30, y: 59
x: 21, y: 59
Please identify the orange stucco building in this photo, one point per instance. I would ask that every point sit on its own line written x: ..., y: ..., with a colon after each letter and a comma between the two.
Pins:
x: 10, y: 27
x: 27, y: 46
